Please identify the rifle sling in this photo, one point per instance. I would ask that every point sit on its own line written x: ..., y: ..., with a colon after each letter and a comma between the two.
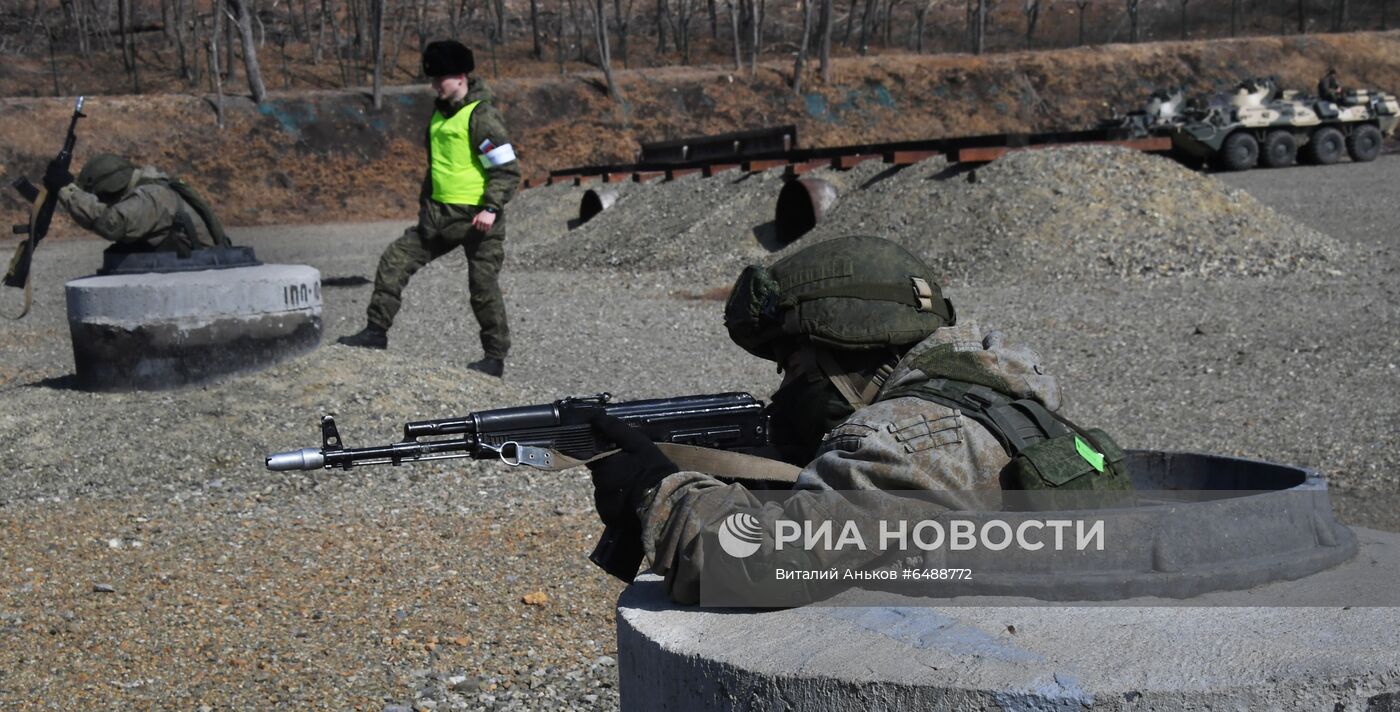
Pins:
x: 31, y: 242
x: 691, y: 458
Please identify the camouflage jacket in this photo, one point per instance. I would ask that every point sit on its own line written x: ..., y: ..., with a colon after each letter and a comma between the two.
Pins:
x: 903, y: 443
x: 503, y: 181
x: 147, y: 212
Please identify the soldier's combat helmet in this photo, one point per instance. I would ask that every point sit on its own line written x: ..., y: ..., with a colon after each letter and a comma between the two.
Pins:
x: 106, y: 175
x: 847, y: 294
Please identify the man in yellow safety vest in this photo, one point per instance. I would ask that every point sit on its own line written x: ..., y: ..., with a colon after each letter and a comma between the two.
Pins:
x: 472, y: 173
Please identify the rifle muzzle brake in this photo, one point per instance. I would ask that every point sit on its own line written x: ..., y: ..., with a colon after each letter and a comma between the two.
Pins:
x: 307, y: 458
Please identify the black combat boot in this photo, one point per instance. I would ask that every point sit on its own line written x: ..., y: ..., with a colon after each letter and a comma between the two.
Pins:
x: 370, y: 337
x: 489, y: 366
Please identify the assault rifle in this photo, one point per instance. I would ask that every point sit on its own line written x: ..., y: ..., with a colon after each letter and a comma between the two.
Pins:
x: 555, y: 436
x: 43, y: 199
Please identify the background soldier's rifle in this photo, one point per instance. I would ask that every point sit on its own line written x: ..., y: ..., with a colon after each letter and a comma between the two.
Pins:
x: 43, y: 199
x: 556, y: 436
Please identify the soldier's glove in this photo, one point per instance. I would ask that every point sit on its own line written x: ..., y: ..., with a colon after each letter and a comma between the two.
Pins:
x: 621, y: 479
x: 56, y: 176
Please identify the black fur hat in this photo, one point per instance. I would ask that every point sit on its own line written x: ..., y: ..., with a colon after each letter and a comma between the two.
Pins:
x: 447, y: 57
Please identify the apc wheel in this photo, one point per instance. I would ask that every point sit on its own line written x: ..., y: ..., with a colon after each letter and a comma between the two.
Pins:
x: 1364, y: 144
x: 1326, y: 146
x: 1280, y: 150
x: 1240, y: 152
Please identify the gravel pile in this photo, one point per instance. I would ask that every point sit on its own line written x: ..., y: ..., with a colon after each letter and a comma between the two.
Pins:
x: 1084, y: 212
x: 544, y: 214
x: 1090, y: 212
x: 151, y: 563
x: 692, y: 226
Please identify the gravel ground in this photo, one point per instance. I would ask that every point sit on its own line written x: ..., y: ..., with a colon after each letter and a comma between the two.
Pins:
x: 149, y: 562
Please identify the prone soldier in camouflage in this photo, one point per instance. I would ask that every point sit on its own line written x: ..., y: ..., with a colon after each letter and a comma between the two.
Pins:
x: 857, y: 326
x: 140, y: 208
x: 472, y: 174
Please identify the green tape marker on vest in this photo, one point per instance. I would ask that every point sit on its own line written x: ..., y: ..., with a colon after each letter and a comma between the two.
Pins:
x: 1090, y: 455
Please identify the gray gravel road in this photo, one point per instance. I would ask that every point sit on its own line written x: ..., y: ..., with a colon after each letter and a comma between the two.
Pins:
x: 1349, y: 201
x: 465, y: 586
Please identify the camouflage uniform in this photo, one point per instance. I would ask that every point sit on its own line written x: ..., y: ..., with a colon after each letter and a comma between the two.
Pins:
x: 442, y: 228
x: 904, y: 443
x: 149, y: 212
x: 1329, y: 88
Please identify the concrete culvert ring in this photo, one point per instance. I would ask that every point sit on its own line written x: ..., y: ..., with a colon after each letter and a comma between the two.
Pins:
x: 1260, y: 543
x: 163, y: 330
x: 594, y: 202
x: 801, y: 205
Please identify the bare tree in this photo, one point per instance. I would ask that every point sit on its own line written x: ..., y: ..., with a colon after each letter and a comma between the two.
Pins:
x: 681, y: 21
x: 559, y: 37
x: 577, y: 25
x: 1183, y: 17
x: 662, y: 20
x: 1234, y: 18
x: 337, y: 47
x: 978, y: 10
x: 1083, y: 8
x: 828, y: 21
x: 850, y: 23
x: 215, y: 76
x: 1339, y: 15
x: 600, y: 36
x: 1031, y: 9
x: 1385, y: 13
x: 167, y: 19
x: 321, y: 23
x: 502, y: 19
x: 78, y: 17
x: 195, y: 44
x: 622, y: 19
x: 128, y: 40
x: 866, y: 19
x: 798, y: 64
x: 755, y: 24
x: 244, y: 15
x: 1133, y: 20
x: 536, y: 48
x: 734, y: 26
x: 889, y: 21
x: 378, y: 53
x: 400, y: 38
x: 188, y: 72
x: 229, y: 44
x: 920, y: 16
x: 53, y: 63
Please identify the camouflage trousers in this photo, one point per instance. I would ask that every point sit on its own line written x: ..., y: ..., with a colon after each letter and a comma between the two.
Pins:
x: 441, y: 229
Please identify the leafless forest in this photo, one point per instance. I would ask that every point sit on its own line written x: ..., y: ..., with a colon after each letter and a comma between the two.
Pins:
x: 58, y: 47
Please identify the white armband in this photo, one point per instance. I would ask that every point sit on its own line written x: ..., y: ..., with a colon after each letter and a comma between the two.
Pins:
x: 496, y: 155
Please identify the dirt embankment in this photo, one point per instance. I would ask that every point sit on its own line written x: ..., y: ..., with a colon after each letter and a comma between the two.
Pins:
x: 329, y: 156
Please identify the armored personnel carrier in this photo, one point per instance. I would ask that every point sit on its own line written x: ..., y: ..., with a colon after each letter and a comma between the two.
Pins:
x: 1257, y: 124
x: 1162, y: 110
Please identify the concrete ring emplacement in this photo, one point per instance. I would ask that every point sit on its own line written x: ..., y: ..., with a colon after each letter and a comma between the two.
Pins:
x: 802, y: 203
